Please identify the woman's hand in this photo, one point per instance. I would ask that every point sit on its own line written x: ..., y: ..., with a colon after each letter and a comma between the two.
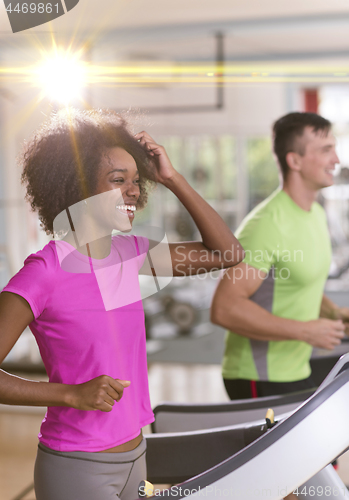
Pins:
x: 100, y: 393
x: 163, y: 168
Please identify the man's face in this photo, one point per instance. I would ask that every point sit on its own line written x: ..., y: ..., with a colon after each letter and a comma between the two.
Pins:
x: 318, y: 162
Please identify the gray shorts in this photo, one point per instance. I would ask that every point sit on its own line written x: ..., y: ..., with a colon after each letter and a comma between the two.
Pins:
x: 80, y: 475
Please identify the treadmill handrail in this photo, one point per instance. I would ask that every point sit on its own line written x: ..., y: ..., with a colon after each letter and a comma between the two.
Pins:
x: 336, y: 370
x: 262, y: 443
x: 166, y: 411
x: 238, y: 404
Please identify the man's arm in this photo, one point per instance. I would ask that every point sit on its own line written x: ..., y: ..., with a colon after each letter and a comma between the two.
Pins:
x: 233, y: 309
x: 330, y: 310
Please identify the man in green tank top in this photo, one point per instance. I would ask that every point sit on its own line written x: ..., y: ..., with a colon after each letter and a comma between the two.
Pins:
x: 273, y: 303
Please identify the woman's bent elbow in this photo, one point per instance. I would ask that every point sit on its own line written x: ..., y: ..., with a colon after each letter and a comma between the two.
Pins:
x: 236, y: 257
x: 241, y: 255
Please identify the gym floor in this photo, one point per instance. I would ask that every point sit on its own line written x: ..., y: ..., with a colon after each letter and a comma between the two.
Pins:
x: 168, y: 382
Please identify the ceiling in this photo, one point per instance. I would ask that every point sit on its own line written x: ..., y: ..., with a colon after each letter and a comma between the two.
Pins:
x: 183, y: 30
x: 111, y: 14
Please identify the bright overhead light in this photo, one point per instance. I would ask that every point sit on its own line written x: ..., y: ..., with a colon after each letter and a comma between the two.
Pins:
x: 62, y: 77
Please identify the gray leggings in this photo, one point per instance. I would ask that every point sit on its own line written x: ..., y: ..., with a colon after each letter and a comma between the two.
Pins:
x: 79, y: 475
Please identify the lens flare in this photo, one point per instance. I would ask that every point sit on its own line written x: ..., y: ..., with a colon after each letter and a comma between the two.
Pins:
x: 62, y: 77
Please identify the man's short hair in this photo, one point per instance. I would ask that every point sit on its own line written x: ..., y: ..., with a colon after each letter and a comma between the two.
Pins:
x: 289, y: 128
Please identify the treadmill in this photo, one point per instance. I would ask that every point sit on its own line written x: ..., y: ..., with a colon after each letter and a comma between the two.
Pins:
x: 259, y: 459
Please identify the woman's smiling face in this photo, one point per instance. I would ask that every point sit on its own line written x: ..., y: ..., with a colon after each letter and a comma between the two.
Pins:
x: 118, y: 178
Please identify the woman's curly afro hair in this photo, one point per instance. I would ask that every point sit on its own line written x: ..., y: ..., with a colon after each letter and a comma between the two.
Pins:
x: 61, y: 161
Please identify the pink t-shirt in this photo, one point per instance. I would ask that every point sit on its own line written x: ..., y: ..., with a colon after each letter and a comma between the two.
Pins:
x: 89, y: 321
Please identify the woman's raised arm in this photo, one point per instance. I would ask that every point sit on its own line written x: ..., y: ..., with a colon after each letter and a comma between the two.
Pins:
x: 219, y: 247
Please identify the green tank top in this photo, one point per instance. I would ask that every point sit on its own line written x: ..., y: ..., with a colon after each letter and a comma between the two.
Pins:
x: 292, y: 246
